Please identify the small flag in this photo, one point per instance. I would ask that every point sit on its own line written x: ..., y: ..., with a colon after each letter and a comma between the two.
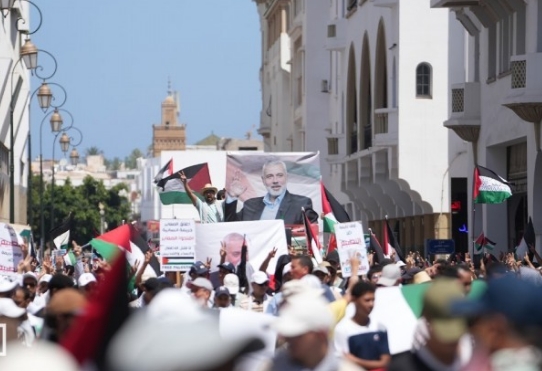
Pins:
x: 374, y: 245
x: 529, y: 239
x: 61, y: 234
x: 171, y: 188
x: 313, y: 244
x: 393, y: 243
x: 489, y: 188
x: 482, y: 242
x: 333, y: 211
x: 165, y: 171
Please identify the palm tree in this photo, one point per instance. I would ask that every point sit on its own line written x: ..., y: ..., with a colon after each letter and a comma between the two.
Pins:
x: 93, y: 151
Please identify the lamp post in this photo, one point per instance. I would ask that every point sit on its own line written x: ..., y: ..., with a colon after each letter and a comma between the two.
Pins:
x: 102, y: 217
x: 65, y: 142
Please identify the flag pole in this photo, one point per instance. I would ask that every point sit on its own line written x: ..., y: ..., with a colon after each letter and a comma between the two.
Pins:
x: 473, y: 231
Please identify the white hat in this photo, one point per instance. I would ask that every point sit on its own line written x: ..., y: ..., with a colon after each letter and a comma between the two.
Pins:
x: 201, y: 282
x: 301, y: 287
x: 312, y: 281
x: 390, y: 274
x: 85, y: 279
x: 173, y: 304
x: 400, y: 263
x: 231, y: 282
x: 45, y: 278
x: 260, y: 277
x: 302, y: 315
x: 286, y: 269
x: 175, y: 350
x: 6, y: 285
x: 321, y: 269
x: 8, y: 308
x: 31, y: 275
x: 43, y: 355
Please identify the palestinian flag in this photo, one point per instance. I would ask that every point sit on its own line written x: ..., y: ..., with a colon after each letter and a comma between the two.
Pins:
x: 529, y: 239
x: 374, y: 246
x: 164, y: 172
x: 313, y: 244
x: 69, y: 258
x: 398, y: 309
x: 333, y: 211
x: 391, y: 242
x: 61, y: 234
x: 126, y: 238
x: 489, y: 188
x: 482, y: 242
x: 89, y: 336
x: 171, y: 188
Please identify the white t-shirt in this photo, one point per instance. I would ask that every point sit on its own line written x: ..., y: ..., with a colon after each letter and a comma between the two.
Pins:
x: 365, y: 342
x: 212, y: 213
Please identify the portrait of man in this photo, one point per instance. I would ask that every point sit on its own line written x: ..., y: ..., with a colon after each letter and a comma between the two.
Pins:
x: 232, y: 245
x: 277, y: 203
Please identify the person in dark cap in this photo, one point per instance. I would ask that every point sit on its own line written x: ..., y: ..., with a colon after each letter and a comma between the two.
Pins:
x: 217, y: 278
x: 59, y: 282
x: 222, y: 298
x: 506, y: 323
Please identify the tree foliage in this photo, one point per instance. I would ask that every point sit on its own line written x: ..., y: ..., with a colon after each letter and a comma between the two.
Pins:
x: 93, y: 151
x: 131, y: 160
x: 83, y: 202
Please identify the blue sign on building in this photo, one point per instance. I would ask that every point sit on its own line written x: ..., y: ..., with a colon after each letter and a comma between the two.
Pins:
x: 435, y: 247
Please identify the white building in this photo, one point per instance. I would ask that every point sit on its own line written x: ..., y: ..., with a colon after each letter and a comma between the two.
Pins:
x: 372, y: 77
x: 14, y: 82
x: 496, y: 106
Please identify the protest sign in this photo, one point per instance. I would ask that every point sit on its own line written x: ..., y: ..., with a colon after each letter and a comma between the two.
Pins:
x: 260, y: 237
x: 177, y: 244
x: 10, y: 249
x: 351, y: 240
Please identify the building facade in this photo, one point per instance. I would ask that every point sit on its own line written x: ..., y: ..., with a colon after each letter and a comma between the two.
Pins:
x: 366, y: 84
x: 14, y: 88
x: 496, y: 107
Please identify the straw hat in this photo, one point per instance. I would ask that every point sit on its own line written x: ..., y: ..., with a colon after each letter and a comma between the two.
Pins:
x: 209, y: 187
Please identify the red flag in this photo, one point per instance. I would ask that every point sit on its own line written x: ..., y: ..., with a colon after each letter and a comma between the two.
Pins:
x: 332, y: 243
x: 311, y: 232
x: 89, y: 336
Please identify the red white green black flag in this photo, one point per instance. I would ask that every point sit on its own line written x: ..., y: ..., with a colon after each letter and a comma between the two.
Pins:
x: 489, y: 188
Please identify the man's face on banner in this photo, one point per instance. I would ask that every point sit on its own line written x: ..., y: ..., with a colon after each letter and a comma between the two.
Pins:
x: 234, y: 245
x: 274, y: 179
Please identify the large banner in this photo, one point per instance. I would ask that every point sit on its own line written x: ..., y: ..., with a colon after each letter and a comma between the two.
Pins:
x: 10, y: 249
x: 260, y: 238
x: 255, y: 179
x: 177, y: 244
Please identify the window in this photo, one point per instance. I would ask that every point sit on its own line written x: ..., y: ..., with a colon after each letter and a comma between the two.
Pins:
x: 423, y: 80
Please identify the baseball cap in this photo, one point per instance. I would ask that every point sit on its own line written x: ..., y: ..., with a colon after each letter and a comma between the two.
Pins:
x: 222, y: 290
x: 321, y: 269
x: 227, y: 266
x: 199, y: 268
x: 45, y: 278
x: 303, y: 314
x: 517, y: 299
x: 231, y: 282
x: 260, y: 277
x: 30, y: 275
x: 390, y: 274
x: 6, y: 285
x: 437, y: 309
x: 201, y: 282
x: 8, y: 308
x: 85, y: 279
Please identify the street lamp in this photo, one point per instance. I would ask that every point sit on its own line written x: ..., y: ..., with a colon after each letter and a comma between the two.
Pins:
x: 74, y: 156
x: 102, y: 217
x: 65, y: 142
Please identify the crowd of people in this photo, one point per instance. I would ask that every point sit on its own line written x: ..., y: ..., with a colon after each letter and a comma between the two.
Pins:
x: 322, y: 320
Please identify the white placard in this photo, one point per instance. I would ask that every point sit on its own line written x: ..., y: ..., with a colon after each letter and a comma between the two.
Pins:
x: 10, y: 249
x: 177, y: 244
x: 350, y: 240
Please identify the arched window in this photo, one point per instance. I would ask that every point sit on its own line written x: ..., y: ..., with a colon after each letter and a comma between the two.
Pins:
x: 423, y: 80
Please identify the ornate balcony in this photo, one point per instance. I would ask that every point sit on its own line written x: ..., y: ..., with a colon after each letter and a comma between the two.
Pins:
x: 465, y: 116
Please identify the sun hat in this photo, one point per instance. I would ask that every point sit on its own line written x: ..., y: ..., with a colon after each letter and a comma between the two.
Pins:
x: 209, y: 187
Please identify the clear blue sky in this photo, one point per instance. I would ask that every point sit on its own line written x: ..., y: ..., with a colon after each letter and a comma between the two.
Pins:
x: 115, y: 57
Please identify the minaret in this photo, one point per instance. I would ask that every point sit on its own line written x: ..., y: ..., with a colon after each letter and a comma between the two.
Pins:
x: 169, y: 135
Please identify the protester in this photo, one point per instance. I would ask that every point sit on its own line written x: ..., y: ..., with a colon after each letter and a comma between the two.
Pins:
x: 305, y: 323
x: 222, y: 298
x: 441, y: 349
x: 11, y: 316
x: 210, y: 211
x: 61, y: 311
x: 201, y: 289
x: 258, y: 300
x: 87, y: 283
x: 362, y: 341
x: 391, y: 276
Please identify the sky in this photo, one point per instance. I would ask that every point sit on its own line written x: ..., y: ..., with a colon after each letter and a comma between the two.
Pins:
x: 115, y: 58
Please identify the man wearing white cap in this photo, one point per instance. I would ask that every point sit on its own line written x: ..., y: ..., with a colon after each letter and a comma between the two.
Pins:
x: 201, y: 289
x: 87, y: 283
x: 258, y: 300
x: 391, y: 276
x: 305, y: 322
x: 11, y: 316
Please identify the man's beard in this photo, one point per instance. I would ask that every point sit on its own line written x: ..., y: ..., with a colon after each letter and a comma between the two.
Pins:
x: 275, y: 193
